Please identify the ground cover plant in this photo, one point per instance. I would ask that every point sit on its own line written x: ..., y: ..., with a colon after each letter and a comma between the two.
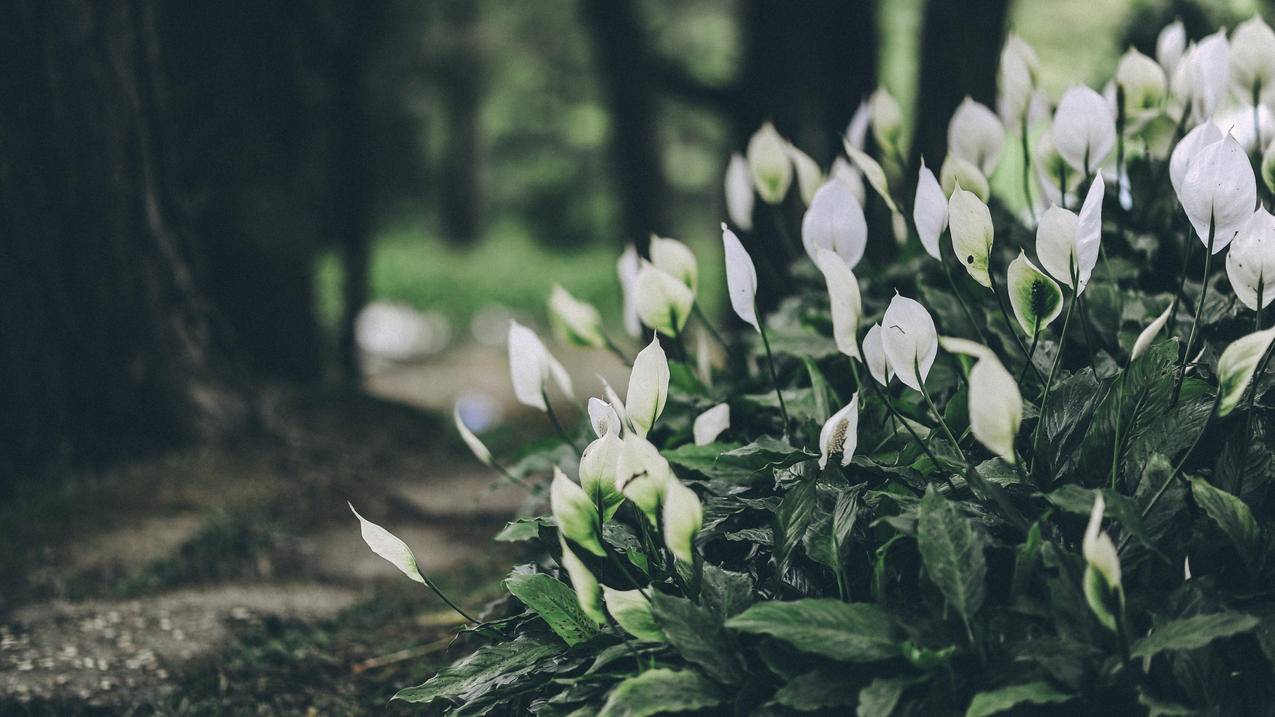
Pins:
x: 1025, y: 467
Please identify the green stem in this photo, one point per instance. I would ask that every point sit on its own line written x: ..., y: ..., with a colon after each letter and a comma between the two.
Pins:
x: 1049, y: 384
x: 699, y: 312
x: 1195, y: 323
x: 619, y: 353
x: 774, y: 376
x: 1084, y: 327
x: 1188, y: 245
x: 557, y: 425
x: 1031, y: 352
x: 969, y: 315
x: 1027, y: 166
x: 872, y: 384
x: 1000, y: 303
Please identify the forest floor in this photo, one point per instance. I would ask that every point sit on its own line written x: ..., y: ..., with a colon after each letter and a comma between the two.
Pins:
x: 233, y: 580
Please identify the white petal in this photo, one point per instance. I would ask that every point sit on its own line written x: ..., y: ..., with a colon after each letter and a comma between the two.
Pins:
x: 683, y: 518
x: 1035, y: 298
x: 648, y: 387
x: 873, y: 172
x: 676, y: 258
x: 1147, y: 335
x: 741, y: 279
x: 840, y: 433
x: 771, y: 168
x: 528, y: 366
x: 1190, y: 145
x: 710, y: 424
x: 874, y: 356
x: 1236, y: 365
x: 909, y: 339
x: 1089, y: 231
x: 809, y: 176
x: 976, y: 135
x: 603, y: 417
x: 970, y: 224
x: 835, y: 221
x: 1251, y: 261
x: 739, y: 192
x: 857, y: 130
x: 1169, y: 45
x: 1084, y: 129
x: 388, y: 546
x: 995, y: 407
x: 929, y: 212
x: 1219, y: 185
x: 663, y: 300
x: 1056, y: 242
x: 627, y: 270
x: 966, y: 347
x: 476, y: 446
x: 844, y: 300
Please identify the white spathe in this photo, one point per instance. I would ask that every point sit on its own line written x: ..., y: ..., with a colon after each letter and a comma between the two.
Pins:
x: 1069, y: 244
x: 1169, y: 46
x: 683, y: 518
x: 1219, y: 188
x: 1236, y: 365
x: 1252, y: 61
x: 1250, y: 264
x: 1016, y: 80
x: 1084, y: 129
x: 929, y: 210
x: 740, y: 198
x: 995, y: 407
x: 768, y: 159
x: 710, y: 424
x: 648, y: 387
x: 840, y: 433
x: 844, y: 300
x: 970, y: 224
x: 626, y: 268
x: 874, y: 356
x: 1198, y: 138
x: 835, y: 221
x: 676, y: 258
x: 909, y: 339
x: 741, y: 278
x: 663, y: 300
x: 1147, y: 336
x: 976, y: 135
x: 531, y: 366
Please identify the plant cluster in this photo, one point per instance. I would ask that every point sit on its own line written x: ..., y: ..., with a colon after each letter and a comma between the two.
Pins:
x: 1024, y: 470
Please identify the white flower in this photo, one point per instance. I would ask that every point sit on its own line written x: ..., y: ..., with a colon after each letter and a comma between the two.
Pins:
x: 577, y: 322
x: 970, y: 224
x: 710, y: 424
x: 1148, y: 334
x: 872, y: 172
x: 1016, y: 80
x: 1236, y: 366
x: 1145, y: 87
x: 909, y: 339
x: 663, y: 301
x: 739, y: 192
x: 835, y: 221
x: 575, y: 513
x: 598, y: 466
x: 683, y: 517
x: 1197, y: 139
x: 1050, y: 168
x: 844, y: 300
x: 887, y: 119
x: 976, y: 135
x: 1200, y: 78
x: 476, y: 446
x: 840, y: 433
x: 1169, y: 46
x: 1251, y: 261
x: 768, y: 160
x: 627, y: 270
x: 843, y: 170
x: 1102, y: 564
x: 531, y: 366
x: 995, y: 407
x: 1219, y: 188
x: 1035, y: 298
x: 857, y: 130
x: 741, y: 279
x: 957, y: 172
x: 676, y: 258
x: 643, y: 475
x: 874, y: 356
x: 604, y: 417
x: 1252, y: 61
x: 648, y: 388
x: 809, y: 176
x: 1068, y: 244
x: 929, y: 211
x: 1084, y: 129
x: 388, y: 546
x: 588, y: 591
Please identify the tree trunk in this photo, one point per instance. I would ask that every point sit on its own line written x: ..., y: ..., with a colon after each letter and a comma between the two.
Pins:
x: 461, y: 84
x: 107, y: 337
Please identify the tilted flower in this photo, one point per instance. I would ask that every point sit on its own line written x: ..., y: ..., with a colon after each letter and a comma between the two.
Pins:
x: 929, y: 210
x: 844, y: 300
x: 1236, y: 366
x: 1250, y: 264
x: 1219, y: 188
x: 1169, y: 46
x: 476, y: 446
x: 388, y: 546
x: 683, y: 517
x: 531, y: 366
x: 663, y: 301
x: 1148, y: 334
x: 1145, y: 87
x: 1200, y: 79
x: 598, y: 466
x: 957, y: 172
x: 1252, y: 61
x: 648, y: 388
x: 887, y: 119
x: 643, y: 475
x: 976, y: 135
x: 588, y: 591
x: 1016, y: 80
x: 874, y: 356
x: 626, y: 268
x: 740, y: 198
x: 613, y: 398
x: 577, y: 322
x: 1102, y: 570
x: 710, y: 424
x: 604, y: 417
x: 840, y: 433
x: 1035, y: 298
x: 835, y: 221
x: 632, y: 612
x: 575, y: 512
x: 1185, y: 150
x: 809, y: 176
x: 872, y: 172
x: 1068, y: 245
x: 768, y: 160
x: 995, y: 407
x: 1084, y: 129
x: 970, y: 224
x: 676, y: 258
x: 741, y: 278
x: 909, y: 339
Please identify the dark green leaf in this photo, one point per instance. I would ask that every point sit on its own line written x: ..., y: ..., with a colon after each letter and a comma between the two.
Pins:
x: 659, y: 691
x: 792, y: 520
x: 727, y: 593
x: 555, y: 602
x: 697, y: 634
x: 1192, y: 632
x: 524, y: 529
x: 489, y: 667
x: 951, y: 547
x: 1235, y: 519
x: 765, y: 452
x: 1006, y: 698
x: 815, y: 690
x: 851, y: 632
x: 881, y: 696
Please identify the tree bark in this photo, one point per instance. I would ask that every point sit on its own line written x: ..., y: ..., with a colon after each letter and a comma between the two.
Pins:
x: 461, y: 83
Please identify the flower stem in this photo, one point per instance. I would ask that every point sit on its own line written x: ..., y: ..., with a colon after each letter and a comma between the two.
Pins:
x: 557, y: 425
x: 1049, y: 384
x: 1031, y: 352
x: 1199, y: 309
x: 774, y: 376
x: 1000, y: 303
x: 1188, y: 245
x: 969, y: 315
x: 619, y: 353
x: 1027, y: 167
x: 894, y: 414
x: 695, y: 308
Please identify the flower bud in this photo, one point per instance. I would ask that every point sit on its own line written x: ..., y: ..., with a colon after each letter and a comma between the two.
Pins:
x: 1236, y: 366
x: 1016, y: 80
x: 1252, y: 61
x: 909, y: 339
x: 1219, y: 191
x: 577, y: 322
x: 957, y: 172
x: 741, y: 279
x: 588, y: 591
x: 887, y: 120
x: 476, y: 446
x: 809, y: 176
x: 663, y: 301
x: 970, y: 224
x: 1084, y: 129
x: 626, y: 268
x: 739, y: 192
x: 683, y: 517
x: 598, y: 466
x: 929, y: 211
x: 835, y: 221
x: 874, y: 356
x: 1148, y: 334
x: 531, y: 366
x: 710, y: 424
x: 1250, y: 264
x: 1169, y: 46
x: 1145, y: 86
x: 976, y: 135
x: 643, y: 476
x: 648, y: 388
x: 1035, y: 298
x: 965, y: 347
x: 840, y: 433
x: 844, y: 300
x: 674, y: 257
x: 632, y: 612
x: 1102, y: 571
x: 768, y: 160
x: 575, y: 513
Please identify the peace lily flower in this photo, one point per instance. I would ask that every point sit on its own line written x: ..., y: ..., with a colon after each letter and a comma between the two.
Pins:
x: 1035, y: 298
x: 1051, y: 169
x: 1197, y: 139
x: 768, y: 160
x: 598, y: 472
x: 844, y: 299
x: 643, y: 475
x: 1084, y: 129
x: 1016, y: 80
x: 1102, y: 568
x: 710, y: 424
x: 909, y: 339
x: 809, y: 176
x: 929, y: 210
x: 676, y: 258
x: 1068, y: 244
x: 683, y: 517
x: 1252, y: 61
x: 846, y: 172
x: 531, y: 366
x: 575, y: 512
x: 887, y: 120
x: 840, y: 433
x: 1250, y: 265
x: 874, y: 356
x: 1236, y: 365
x: 626, y: 268
x: 476, y: 446
x: 617, y: 405
x: 1145, y: 88
x: 1199, y: 80
x: 970, y: 224
x: 390, y: 547
x: 872, y: 171
x: 1219, y: 191
x: 995, y: 404
x: 1169, y: 46
x: 577, y: 322
x: 588, y: 591
x: 632, y: 612
x: 741, y: 279
x: 857, y: 130
x: 739, y: 192
x: 1148, y: 334
x: 976, y: 135
x: 835, y: 221
x: 663, y: 300
x: 648, y: 388
x: 957, y: 172
x: 603, y: 417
